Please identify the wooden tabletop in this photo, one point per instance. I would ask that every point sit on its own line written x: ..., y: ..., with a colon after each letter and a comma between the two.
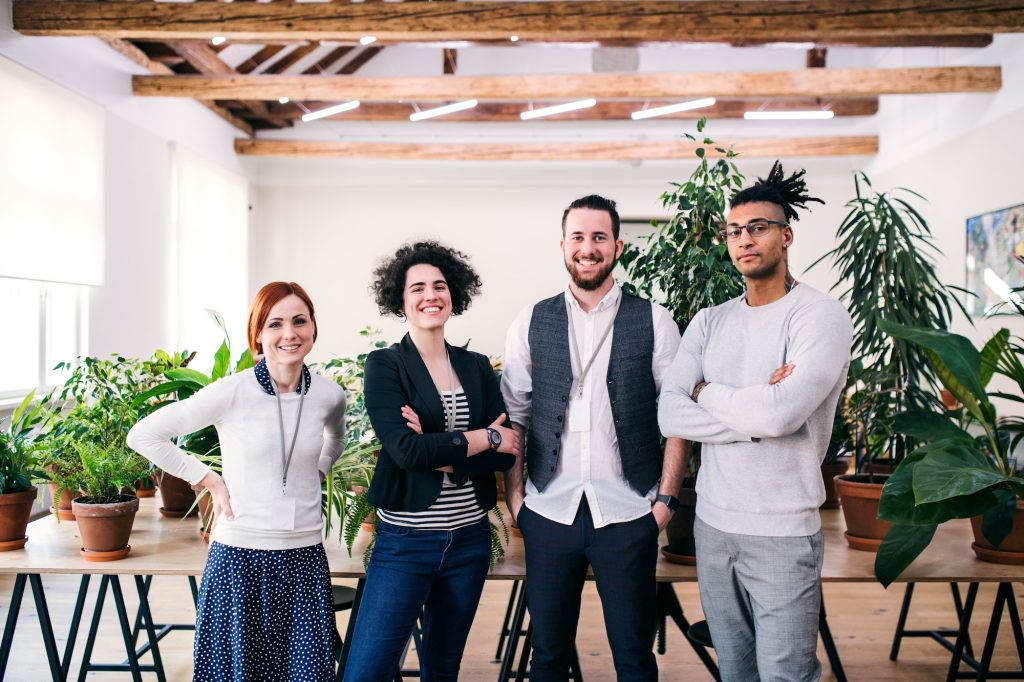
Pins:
x: 162, y: 546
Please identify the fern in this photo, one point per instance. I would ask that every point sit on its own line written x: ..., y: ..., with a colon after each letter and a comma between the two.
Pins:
x: 358, y: 511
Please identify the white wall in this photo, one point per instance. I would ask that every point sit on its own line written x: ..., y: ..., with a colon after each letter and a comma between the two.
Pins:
x: 328, y: 236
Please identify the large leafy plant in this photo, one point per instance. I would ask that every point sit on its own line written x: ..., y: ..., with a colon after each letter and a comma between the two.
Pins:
x: 954, y: 474
x: 682, y: 264
x: 885, y: 262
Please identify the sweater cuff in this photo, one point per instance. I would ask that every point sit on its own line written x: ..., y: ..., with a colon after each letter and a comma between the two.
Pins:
x: 325, y: 464
x: 197, y: 472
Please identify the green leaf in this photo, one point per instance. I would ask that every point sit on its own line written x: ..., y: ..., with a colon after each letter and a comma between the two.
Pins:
x: 951, y: 473
x: 700, y: 152
x: 221, y: 361
x: 245, y: 361
x: 188, y: 374
x: 991, y: 352
x: 928, y: 426
x: 998, y: 521
x: 953, y: 358
x: 902, y: 544
x: 159, y: 390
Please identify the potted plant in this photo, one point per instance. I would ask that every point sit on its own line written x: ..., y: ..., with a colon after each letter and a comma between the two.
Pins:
x: 884, y: 259
x: 18, y: 468
x: 104, y: 513
x: 953, y: 473
x: 683, y: 266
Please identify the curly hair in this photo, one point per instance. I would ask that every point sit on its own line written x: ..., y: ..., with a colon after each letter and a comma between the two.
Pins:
x: 789, y: 193
x: 389, y: 277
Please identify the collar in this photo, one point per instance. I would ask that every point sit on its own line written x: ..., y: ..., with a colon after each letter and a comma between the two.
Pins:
x: 263, y: 377
x: 605, y: 303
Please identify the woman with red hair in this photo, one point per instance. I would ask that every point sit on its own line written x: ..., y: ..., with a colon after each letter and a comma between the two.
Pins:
x: 265, y: 610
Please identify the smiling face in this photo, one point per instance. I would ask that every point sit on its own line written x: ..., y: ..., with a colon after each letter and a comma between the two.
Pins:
x: 287, y: 335
x: 762, y: 257
x: 589, y: 247
x: 427, y: 301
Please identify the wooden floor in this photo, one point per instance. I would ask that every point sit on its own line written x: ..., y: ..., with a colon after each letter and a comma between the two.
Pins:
x: 862, y: 618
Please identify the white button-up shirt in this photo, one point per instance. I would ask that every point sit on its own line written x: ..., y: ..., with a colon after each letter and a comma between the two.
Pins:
x: 589, y: 463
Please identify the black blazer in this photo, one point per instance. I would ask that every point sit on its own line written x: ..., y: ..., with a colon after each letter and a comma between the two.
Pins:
x: 406, y: 477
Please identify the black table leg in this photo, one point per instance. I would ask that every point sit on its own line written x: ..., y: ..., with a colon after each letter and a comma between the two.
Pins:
x: 829, y: 643
x: 143, y: 588
x: 43, y: 613
x: 12, y: 621
x: 514, y: 635
x: 961, y: 638
x: 350, y: 630
x: 76, y: 620
x: 94, y: 626
x: 126, y: 632
x: 668, y: 605
x: 45, y: 625
x: 505, y: 623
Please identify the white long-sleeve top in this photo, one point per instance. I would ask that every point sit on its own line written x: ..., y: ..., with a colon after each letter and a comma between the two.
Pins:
x: 763, y: 445
x: 247, y: 423
x: 589, y: 463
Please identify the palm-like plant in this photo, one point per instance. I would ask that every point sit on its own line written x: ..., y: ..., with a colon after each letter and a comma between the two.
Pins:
x: 20, y: 438
x: 886, y: 266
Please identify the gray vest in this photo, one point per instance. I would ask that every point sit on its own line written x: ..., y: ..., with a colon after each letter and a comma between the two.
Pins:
x: 631, y: 391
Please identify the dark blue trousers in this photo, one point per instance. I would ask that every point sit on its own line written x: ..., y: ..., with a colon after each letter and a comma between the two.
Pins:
x: 623, y: 557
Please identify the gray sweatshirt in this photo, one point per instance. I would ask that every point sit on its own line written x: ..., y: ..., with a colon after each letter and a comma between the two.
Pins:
x: 763, y: 445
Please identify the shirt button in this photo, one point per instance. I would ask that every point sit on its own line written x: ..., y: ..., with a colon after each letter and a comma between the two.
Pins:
x: 559, y: 417
x: 558, y: 434
x: 564, y: 398
x: 456, y: 441
x: 552, y: 468
x: 554, y: 452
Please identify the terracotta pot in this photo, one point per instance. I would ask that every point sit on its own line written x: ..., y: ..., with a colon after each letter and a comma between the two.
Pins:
x: 206, y: 517
x: 859, y: 498
x: 679, y: 531
x: 106, y: 527
x: 828, y: 474
x: 61, y: 507
x: 949, y: 400
x: 1011, y: 551
x: 15, y: 509
x: 146, y: 487
x: 177, y: 495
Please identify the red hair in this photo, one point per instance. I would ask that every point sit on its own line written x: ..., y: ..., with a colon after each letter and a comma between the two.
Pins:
x: 267, y: 297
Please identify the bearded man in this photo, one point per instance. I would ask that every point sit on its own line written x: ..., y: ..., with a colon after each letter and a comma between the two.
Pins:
x: 581, y: 377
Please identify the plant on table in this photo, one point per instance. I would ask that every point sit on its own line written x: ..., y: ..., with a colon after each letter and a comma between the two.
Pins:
x: 964, y: 467
x: 685, y: 267
x: 20, y: 438
x: 885, y: 263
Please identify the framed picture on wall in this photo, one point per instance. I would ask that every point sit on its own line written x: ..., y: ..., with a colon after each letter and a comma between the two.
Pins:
x: 995, y: 241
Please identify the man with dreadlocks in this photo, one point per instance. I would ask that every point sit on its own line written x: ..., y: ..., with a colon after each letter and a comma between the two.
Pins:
x: 757, y: 380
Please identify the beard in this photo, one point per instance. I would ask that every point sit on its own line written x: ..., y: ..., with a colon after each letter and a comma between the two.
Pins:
x: 594, y: 281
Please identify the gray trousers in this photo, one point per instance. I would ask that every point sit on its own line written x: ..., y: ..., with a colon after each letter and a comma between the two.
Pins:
x: 761, y: 597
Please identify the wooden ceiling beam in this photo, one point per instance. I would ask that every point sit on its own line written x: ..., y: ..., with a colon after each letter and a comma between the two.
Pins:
x: 625, y: 150
x: 632, y: 86
x: 604, y: 111
x: 725, y: 21
x: 127, y: 49
x: 359, y: 60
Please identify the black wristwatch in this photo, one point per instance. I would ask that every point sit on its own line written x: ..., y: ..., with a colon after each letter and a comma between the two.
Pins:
x: 669, y: 501
x: 494, y: 438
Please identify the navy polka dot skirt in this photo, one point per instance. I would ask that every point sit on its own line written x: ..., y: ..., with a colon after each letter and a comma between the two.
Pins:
x: 265, y: 615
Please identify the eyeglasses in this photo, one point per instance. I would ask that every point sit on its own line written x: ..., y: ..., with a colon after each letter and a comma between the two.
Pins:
x: 755, y: 228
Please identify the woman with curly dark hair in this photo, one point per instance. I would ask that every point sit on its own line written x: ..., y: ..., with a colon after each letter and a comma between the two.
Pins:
x: 438, y: 412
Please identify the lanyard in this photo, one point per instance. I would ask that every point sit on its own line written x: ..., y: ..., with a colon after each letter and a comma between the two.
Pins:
x: 286, y: 459
x: 449, y: 412
x: 597, y: 349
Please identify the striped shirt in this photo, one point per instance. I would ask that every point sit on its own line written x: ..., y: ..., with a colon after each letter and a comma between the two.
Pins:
x: 456, y: 505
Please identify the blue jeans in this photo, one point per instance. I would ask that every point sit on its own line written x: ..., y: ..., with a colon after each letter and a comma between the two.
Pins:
x: 437, y: 571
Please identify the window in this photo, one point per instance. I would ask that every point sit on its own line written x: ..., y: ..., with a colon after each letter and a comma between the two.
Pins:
x: 46, y: 323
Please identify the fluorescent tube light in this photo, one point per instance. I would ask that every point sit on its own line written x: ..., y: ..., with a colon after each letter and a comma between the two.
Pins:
x: 331, y: 111
x: 787, y: 115
x: 514, y: 39
x: 282, y: 100
x: 673, y: 108
x: 558, y: 109
x: 366, y: 40
x: 441, y: 111
x: 219, y: 40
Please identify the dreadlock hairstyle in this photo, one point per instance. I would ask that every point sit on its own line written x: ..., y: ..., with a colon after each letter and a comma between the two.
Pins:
x: 789, y: 193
